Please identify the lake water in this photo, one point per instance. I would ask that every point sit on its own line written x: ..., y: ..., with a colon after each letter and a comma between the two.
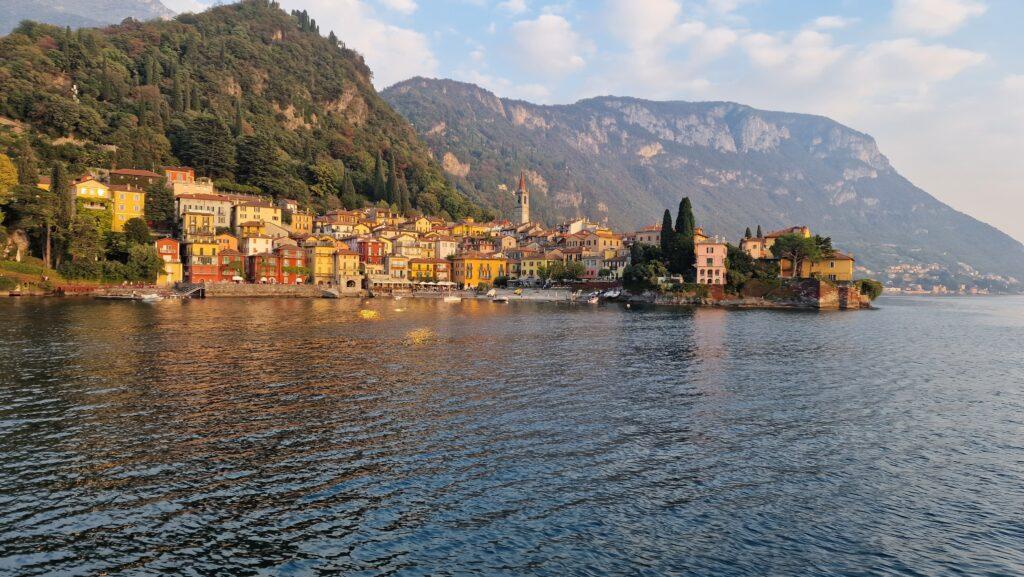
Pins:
x: 304, y: 437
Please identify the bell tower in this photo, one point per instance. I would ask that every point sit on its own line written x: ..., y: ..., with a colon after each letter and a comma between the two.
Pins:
x: 523, y: 200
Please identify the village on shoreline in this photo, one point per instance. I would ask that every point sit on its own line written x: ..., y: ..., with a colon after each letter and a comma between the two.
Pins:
x: 226, y: 243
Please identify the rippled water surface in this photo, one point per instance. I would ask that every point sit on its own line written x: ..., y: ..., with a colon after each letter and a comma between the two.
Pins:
x: 304, y: 437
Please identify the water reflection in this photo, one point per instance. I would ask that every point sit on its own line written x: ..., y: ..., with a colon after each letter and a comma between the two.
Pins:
x: 299, y: 436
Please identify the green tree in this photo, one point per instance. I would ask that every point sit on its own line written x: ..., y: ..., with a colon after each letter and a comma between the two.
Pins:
x: 379, y: 187
x: 686, y: 224
x: 797, y: 249
x: 759, y: 235
x: 666, y: 233
x: 391, y: 188
x: 86, y: 238
x: 137, y: 232
x: 746, y: 233
x: 159, y: 207
x: 208, y: 147
x: 870, y: 288
x: 37, y: 212
x: 144, y: 263
x: 259, y: 163
x: 66, y: 208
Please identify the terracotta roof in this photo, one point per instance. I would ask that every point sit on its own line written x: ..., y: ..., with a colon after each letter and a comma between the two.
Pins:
x: 135, y: 172
x: 480, y: 256
x: 428, y: 260
x: 229, y: 252
x: 252, y: 223
x: 203, y: 196
x: 840, y: 256
x: 180, y: 168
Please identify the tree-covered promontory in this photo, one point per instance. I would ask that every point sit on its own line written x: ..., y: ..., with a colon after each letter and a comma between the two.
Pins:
x: 244, y: 92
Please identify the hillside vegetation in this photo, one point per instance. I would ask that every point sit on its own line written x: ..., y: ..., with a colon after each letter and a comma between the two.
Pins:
x: 243, y: 92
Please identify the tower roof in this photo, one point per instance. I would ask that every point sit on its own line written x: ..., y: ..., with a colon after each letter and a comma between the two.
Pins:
x: 522, y: 181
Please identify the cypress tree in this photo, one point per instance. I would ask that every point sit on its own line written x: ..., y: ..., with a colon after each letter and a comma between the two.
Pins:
x: 237, y: 129
x: 392, y: 184
x: 759, y: 235
x: 379, y: 185
x: 666, y: 234
x: 404, y: 204
x: 177, y: 95
x: 685, y: 221
x: 746, y: 234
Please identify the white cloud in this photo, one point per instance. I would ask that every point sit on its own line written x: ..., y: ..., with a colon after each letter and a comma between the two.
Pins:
x: 806, y: 55
x: 935, y: 17
x: 392, y: 52
x: 549, y: 45
x: 640, y: 22
x: 902, y: 72
x: 832, y: 22
x: 513, y: 6
x: 402, y: 6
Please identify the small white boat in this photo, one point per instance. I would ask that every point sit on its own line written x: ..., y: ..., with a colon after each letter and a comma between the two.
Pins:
x: 398, y: 297
x: 452, y: 299
x: 500, y: 299
x: 492, y: 293
x: 151, y: 298
x: 592, y: 300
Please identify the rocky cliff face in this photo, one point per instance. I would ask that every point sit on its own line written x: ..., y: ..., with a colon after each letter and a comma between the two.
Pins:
x: 623, y: 160
x: 78, y: 13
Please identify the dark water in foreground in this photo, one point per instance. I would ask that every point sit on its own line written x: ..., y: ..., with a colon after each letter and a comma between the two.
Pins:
x: 300, y: 437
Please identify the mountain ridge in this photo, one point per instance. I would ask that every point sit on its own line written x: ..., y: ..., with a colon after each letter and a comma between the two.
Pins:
x: 625, y: 159
x: 80, y: 13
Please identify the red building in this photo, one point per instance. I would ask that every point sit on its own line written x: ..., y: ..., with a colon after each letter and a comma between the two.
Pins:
x: 286, y: 265
x: 370, y: 251
x: 230, y: 266
x: 179, y: 174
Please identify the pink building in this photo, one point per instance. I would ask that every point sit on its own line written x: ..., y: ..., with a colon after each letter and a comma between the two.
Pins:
x: 710, y: 264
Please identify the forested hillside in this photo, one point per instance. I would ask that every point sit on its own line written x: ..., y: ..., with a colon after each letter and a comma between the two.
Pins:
x: 243, y: 92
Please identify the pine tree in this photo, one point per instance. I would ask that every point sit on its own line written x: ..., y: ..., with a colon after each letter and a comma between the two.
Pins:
x: 746, y: 233
x: 666, y: 233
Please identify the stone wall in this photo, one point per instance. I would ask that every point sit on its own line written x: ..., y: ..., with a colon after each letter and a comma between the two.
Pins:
x: 262, y: 290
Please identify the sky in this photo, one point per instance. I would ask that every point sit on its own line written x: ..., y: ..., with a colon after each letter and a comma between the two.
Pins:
x: 938, y: 83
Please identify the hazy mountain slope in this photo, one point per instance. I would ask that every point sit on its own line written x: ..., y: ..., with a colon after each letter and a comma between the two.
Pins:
x: 624, y: 160
x: 78, y: 13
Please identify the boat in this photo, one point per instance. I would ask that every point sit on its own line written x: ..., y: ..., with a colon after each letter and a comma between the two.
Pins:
x: 592, y: 300
x: 151, y: 298
x: 398, y: 297
x: 492, y: 293
x: 452, y: 299
x: 500, y: 299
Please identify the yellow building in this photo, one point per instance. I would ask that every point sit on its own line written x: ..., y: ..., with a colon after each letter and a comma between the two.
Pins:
x: 531, y: 265
x: 170, y: 253
x: 129, y: 202
x: 302, y: 223
x: 258, y: 211
x: 469, y: 227
x: 761, y: 247
x: 429, y: 269
x: 320, y: 259
x: 197, y: 224
x: 472, y: 269
x: 838, y: 267
x: 227, y: 241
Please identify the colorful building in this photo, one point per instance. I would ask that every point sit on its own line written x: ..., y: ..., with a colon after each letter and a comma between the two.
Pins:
x: 474, y: 268
x: 128, y: 202
x: 429, y: 270
x: 196, y: 224
x: 200, y: 263
x: 169, y: 250
x: 710, y: 261
x: 134, y: 177
x: 838, y: 267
